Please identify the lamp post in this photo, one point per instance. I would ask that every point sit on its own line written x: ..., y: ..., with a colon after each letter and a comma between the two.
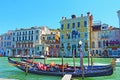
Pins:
x: 74, y: 58
x: 81, y: 58
x: 62, y: 48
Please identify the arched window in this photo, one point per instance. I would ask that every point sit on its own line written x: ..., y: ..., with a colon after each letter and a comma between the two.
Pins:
x: 104, y: 43
x: 73, y: 34
x: 99, y: 44
x: 107, y: 43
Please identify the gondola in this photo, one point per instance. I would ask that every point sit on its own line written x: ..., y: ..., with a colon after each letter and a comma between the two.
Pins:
x: 56, y: 70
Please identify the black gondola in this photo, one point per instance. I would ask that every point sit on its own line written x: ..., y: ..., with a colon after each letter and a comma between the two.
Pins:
x: 91, y: 71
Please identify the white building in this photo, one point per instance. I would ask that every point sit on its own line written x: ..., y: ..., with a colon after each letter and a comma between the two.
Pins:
x: 26, y: 39
x: 6, y: 43
x: 99, y: 38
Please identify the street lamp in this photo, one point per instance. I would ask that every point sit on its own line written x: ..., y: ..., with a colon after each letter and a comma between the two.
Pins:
x: 81, y: 58
x: 80, y: 42
x: 62, y: 48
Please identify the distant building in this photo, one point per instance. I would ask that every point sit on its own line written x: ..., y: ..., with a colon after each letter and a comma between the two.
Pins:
x: 114, y: 42
x: 72, y: 31
x: 100, y: 36
x: 26, y: 39
x: 50, y: 44
x: 6, y: 43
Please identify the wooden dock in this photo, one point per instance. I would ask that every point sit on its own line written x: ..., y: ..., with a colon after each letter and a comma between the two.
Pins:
x: 67, y: 77
x: 7, y: 79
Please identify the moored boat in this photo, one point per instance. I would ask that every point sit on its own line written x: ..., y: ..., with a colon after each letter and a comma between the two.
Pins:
x: 56, y: 70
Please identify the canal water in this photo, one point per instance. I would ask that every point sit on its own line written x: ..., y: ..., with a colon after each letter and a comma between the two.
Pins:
x: 10, y: 72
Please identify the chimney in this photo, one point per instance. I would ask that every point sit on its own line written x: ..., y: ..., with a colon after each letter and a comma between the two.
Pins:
x: 73, y: 16
x: 81, y: 15
x: 88, y: 13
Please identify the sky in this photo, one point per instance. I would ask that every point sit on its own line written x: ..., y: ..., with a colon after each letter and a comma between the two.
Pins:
x: 28, y: 13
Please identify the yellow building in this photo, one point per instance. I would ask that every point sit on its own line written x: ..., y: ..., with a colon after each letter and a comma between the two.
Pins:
x: 72, y: 31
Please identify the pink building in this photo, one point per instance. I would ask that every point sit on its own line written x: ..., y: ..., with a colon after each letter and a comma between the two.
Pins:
x: 114, y: 42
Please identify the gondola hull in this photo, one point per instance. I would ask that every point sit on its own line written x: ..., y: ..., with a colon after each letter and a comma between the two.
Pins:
x: 93, y: 71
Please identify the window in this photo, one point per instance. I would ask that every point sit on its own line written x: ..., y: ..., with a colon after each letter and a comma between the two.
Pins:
x: 99, y: 51
x: 62, y: 26
x: 25, y: 37
x: 79, y: 35
x: 43, y: 38
x: 99, y: 44
x: 13, y: 38
x: 85, y: 23
x: 78, y: 24
x: 93, y: 51
x: 32, y: 32
x: 37, y: 31
x: 19, y: 38
x: 29, y: 32
x: 93, y: 44
x: 73, y: 25
x: 110, y: 52
x: 1, y: 44
x: 86, y: 35
x: 36, y: 37
x: 68, y: 36
x: 17, y: 33
x: 118, y: 52
x: 8, y: 38
x: 23, y: 33
x: 31, y: 38
x: 96, y: 51
x: 73, y: 34
x: 8, y: 43
x: 5, y: 44
x: 62, y: 36
x: 57, y: 46
x: 26, y: 32
x: 68, y: 26
x: 104, y: 43
x: 13, y: 34
x: 20, y: 33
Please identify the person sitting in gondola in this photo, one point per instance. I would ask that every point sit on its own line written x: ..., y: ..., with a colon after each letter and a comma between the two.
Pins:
x: 41, y: 66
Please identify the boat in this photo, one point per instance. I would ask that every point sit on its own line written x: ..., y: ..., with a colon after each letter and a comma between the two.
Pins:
x: 117, y: 62
x: 57, y: 69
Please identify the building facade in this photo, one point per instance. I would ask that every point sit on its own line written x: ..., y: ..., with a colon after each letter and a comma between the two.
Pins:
x: 114, y: 42
x: 26, y: 39
x: 72, y: 31
x: 99, y: 39
x: 50, y: 44
x: 6, y: 43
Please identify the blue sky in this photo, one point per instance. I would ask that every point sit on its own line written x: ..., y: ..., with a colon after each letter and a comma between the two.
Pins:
x: 27, y: 13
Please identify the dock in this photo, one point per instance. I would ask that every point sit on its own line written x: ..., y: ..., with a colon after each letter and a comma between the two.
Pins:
x: 7, y: 79
x: 67, y: 77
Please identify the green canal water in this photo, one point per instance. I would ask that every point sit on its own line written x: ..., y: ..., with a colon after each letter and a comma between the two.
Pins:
x: 10, y: 72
